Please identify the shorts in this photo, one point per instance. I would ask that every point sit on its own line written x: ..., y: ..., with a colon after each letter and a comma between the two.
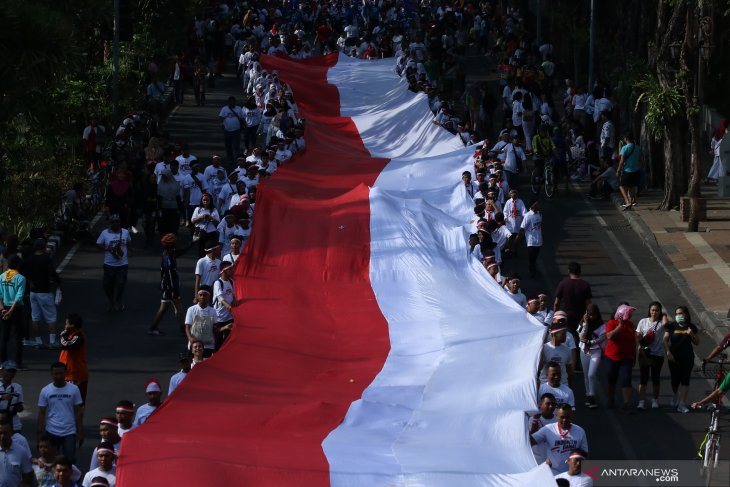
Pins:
x: 630, y: 179
x: 43, y: 307
x: 167, y: 296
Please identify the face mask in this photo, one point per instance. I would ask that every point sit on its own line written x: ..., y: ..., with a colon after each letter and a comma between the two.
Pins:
x: 679, y: 319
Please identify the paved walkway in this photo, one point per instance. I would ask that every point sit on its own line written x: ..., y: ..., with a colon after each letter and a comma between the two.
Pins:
x: 698, y: 261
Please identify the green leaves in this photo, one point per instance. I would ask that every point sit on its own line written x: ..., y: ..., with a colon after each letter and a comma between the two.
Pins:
x: 662, y: 103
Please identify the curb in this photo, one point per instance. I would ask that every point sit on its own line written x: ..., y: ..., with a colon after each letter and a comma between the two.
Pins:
x: 710, y: 323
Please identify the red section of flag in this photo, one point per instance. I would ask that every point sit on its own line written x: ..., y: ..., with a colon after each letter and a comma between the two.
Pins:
x: 309, y: 337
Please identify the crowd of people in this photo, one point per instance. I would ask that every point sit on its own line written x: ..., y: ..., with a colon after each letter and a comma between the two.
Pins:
x: 163, y: 188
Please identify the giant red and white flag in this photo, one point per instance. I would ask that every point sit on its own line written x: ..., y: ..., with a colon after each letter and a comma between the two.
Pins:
x: 371, y: 349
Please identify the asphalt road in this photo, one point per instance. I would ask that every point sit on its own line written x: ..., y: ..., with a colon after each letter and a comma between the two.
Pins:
x: 122, y: 357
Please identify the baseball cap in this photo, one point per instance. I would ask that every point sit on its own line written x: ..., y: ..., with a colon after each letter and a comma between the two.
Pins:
x: 9, y: 365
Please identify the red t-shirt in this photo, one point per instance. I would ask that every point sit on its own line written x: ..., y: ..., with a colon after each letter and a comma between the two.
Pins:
x: 622, y: 346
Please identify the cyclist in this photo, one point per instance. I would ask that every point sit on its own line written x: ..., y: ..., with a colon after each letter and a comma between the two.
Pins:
x: 725, y: 384
x: 715, y: 395
x: 722, y: 346
x: 543, y: 148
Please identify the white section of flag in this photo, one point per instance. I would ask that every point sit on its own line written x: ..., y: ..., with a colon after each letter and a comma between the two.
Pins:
x: 448, y: 407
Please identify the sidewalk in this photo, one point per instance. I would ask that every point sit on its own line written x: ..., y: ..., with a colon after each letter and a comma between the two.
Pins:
x: 698, y: 262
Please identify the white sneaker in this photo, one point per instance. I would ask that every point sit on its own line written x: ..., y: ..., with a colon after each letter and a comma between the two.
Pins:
x: 654, y: 404
x: 640, y: 406
x: 682, y: 408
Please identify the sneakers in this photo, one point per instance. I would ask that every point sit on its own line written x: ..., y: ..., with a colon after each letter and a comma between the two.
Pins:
x: 673, y: 403
x: 591, y: 402
x: 654, y: 404
x: 641, y: 406
x: 29, y: 343
x: 682, y: 408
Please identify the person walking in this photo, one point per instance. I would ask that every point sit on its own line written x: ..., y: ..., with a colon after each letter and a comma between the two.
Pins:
x: 60, y: 412
x: 649, y: 333
x: 205, y: 219
x: 114, y: 241
x: 43, y: 282
x: 680, y: 336
x: 73, y: 353
x: 572, y: 296
x: 169, y: 285
x: 592, y: 334
x: 231, y: 117
x: 620, y: 353
x: 531, y: 228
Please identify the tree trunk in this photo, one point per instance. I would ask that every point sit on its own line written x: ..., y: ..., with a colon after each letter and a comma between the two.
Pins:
x: 674, y: 157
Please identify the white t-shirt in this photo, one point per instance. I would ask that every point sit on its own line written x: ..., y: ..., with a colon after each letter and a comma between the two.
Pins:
x: 561, y: 443
x: 517, y: 113
x: 143, y: 412
x: 514, y: 211
x: 562, y: 393
x: 532, y: 224
x: 540, y: 450
x: 512, y: 155
x: 196, y: 190
x: 108, y: 239
x: 207, y: 313
x: 208, y: 270
x: 657, y: 346
x: 507, y: 96
x: 97, y: 472
x: 580, y: 480
x: 210, y: 174
x: 184, y: 167
x: 175, y: 381
x: 500, y: 236
x: 225, y: 233
x: 17, y: 391
x: 59, y: 403
x: 206, y: 226
x: 231, y: 118
x: 282, y: 155
x: 560, y: 354
x: 222, y: 291
x: 159, y: 167
x: 518, y: 298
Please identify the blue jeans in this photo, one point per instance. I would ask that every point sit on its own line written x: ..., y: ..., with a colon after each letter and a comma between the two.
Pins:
x: 66, y: 445
x: 233, y: 145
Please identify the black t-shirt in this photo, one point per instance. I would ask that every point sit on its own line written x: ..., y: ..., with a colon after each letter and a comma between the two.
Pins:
x: 40, y: 273
x: 680, y: 343
x: 573, y: 294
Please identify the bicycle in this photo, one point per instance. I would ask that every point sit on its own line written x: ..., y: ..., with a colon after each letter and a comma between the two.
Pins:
x: 709, y: 451
x: 543, y: 178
